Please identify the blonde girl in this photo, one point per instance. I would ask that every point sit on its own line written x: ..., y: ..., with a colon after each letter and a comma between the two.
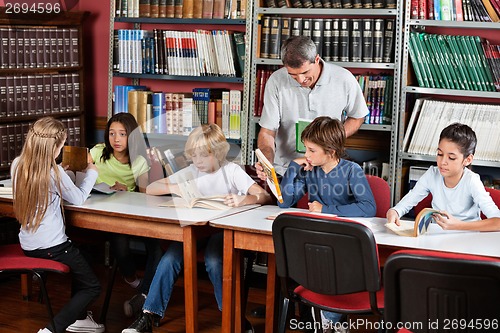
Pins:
x: 40, y: 186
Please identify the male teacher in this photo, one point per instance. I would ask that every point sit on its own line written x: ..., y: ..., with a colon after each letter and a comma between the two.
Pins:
x: 306, y: 87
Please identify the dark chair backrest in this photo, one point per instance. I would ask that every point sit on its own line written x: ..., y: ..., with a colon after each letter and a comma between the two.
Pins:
x: 382, y: 194
x: 327, y: 255
x: 428, y: 286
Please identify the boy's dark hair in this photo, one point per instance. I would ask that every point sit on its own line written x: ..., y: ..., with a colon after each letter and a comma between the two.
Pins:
x: 327, y: 133
x: 298, y: 49
x: 462, y: 135
x: 133, y: 132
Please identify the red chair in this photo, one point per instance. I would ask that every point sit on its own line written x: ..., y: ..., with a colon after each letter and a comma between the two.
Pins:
x: 333, y: 260
x: 381, y: 192
x: 13, y: 260
x: 428, y: 286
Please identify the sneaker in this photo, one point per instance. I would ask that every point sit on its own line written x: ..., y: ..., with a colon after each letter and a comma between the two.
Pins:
x: 134, y: 284
x: 143, y: 324
x: 133, y: 306
x: 45, y: 330
x: 87, y: 325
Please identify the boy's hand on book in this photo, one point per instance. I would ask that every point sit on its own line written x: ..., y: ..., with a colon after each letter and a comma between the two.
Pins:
x: 234, y: 200
x: 260, y: 171
x: 393, y: 217
x: 119, y: 187
x: 315, y: 206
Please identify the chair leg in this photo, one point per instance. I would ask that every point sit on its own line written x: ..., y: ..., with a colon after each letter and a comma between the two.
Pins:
x: 45, y: 295
x: 283, y: 315
x: 109, y: 289
x: 317, y: 319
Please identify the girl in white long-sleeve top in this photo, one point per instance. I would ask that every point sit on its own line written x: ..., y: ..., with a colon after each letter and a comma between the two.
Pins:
x: 457, y: 192
x: 40, y: 186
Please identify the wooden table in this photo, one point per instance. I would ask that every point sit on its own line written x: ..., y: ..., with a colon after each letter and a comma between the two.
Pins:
x: 251, y: 230
x: 138, y: 214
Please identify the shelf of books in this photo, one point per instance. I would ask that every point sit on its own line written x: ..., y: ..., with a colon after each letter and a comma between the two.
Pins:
x: 451, y: 73
x: 176, y: 68
x: 41, y: 74
x: 362, y: 36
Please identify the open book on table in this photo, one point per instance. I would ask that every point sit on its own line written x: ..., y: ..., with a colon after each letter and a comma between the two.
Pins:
x: 272, y: 178
x: 191, y: 196
x: 414, y: 228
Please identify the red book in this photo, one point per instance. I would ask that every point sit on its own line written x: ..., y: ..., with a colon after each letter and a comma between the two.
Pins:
x: 459, y: 12
x: 422, y: 9
x: 211, y: 112
x: 414, y: 9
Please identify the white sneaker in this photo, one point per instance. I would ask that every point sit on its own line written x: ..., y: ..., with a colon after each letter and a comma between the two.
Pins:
x: 45, y: 330
x: 87, y: 325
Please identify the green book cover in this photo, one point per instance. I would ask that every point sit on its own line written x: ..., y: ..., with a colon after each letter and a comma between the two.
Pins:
x: 475, y: 61
x: 437, y: 68
x: 448, y: 53
x: 476, y: 40
x: 459, y: 61
x: 416, y: 66
x: 417, y: 62
x: 464, y: 49
x: 299, y: 128
x: 447, y: 73
x: 428, y: 62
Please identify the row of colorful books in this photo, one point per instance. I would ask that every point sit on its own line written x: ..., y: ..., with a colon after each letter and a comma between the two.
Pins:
x: 456, y: 10
x: 430, y: 116
x: 13, y: 135
x: 451, y: 62
x: 331, y: 3
x: 355, y: 40
x: 179, y: 113
x: 377, y: 90
x: 47, y: 94
x: 192, y: 53
x: 206, y: 9
x: 38, y: 48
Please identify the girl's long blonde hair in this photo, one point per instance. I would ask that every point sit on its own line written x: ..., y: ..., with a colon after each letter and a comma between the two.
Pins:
x: 32, y: 176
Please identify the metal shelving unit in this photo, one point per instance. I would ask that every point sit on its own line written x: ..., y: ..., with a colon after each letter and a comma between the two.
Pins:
x: 135, y: 78
x: 407, y: 90
x: 394, y: 67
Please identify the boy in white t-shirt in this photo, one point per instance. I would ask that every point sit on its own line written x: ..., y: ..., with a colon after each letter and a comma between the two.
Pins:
x: 212, y: 174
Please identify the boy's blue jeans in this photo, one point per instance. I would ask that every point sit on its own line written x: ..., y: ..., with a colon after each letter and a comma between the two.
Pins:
x: 171, y: 265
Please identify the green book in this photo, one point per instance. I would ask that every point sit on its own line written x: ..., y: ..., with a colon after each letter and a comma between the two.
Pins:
x: 464, y: 49
x: 299, y: 128
x: 488, y: 76
x: 416, y: 66
x: 447, y: 75
x: 448, y: 53
x: 437, y: 68
x: 417, y: 61
x: 425, y: 61
x: 459, y: 61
